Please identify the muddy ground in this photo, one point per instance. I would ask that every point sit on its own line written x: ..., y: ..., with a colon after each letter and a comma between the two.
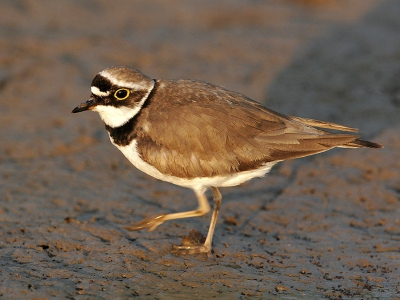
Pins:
x: 326, y: 226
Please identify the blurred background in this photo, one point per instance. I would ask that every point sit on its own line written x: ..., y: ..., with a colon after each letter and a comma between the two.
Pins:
x: 334, y: 60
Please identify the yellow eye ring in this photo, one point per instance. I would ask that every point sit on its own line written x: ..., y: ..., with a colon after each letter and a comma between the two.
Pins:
x: 122, y: 94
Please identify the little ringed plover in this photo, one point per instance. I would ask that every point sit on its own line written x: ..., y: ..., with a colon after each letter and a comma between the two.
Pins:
x: 199, y: 136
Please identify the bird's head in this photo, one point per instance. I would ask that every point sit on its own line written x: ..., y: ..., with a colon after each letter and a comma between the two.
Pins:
x: 118, y: 94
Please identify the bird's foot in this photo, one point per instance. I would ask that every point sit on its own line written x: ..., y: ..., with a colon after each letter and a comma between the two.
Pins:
x: 195, y: 249
x: 194, y: 243
x: 150, y: 222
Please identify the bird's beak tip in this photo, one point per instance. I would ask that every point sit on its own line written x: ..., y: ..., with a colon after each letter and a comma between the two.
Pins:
x: 88, y: 105
x: 75, y: 110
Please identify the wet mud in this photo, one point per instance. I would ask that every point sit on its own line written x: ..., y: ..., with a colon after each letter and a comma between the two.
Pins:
x: 321, y: 227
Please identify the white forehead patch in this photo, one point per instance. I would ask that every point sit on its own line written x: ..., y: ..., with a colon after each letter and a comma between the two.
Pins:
x: 122, y: 83
x: 95, y: 90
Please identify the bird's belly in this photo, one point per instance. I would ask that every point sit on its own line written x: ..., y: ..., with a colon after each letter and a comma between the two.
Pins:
x: 131, y: 153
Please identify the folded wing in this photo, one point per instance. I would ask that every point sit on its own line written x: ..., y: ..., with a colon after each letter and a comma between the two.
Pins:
x: 214, y: 132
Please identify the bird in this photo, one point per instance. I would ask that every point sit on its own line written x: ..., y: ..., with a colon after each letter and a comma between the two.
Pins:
x: 202, y: 136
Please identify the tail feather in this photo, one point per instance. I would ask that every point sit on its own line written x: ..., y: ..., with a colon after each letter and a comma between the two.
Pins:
x: 323, y: 124
x: 361, y: 144
x: 356, y: 143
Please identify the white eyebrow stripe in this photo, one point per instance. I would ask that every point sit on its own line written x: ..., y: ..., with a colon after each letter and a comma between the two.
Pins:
x: 95, y: 90
x: 121, y: 83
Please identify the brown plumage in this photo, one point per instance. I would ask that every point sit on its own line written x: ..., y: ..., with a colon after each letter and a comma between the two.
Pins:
x: 192, y: 129
x: 201, y: 136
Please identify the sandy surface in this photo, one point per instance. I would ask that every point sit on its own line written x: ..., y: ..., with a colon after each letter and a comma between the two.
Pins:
x: 325, y: 226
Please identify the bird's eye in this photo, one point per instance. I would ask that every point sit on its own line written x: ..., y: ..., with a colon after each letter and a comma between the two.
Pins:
x: 122, y: 94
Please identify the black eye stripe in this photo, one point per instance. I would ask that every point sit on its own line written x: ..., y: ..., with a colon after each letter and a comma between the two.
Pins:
x: 103, y: 84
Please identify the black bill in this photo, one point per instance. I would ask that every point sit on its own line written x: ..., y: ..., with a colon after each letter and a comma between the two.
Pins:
x: 88, y: 105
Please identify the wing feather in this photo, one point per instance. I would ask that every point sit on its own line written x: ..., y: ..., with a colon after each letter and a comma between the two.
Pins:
x: 204, y: 130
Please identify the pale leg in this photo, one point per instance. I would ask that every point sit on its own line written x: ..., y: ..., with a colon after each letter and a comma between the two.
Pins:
x: 154, y: 221
x: 206, y: 247
x: 217, y: 198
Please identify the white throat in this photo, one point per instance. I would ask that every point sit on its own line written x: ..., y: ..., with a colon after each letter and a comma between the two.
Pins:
x: 118, y: 116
